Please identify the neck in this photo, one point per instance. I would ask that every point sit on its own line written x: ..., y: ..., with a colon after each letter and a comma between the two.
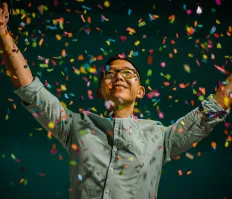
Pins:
x: 123, y: 111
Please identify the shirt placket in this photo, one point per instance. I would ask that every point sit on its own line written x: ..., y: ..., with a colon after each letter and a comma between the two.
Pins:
x: 110, y: 173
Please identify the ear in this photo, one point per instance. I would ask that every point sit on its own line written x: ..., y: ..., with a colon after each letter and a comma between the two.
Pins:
x: 141, y: 92
x: 99, y: 93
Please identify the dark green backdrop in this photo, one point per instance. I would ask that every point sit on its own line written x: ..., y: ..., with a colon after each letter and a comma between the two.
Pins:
x: 24, y: 145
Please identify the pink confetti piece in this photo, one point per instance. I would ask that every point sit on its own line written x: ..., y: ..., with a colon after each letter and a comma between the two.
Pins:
x: 218, y: 2
x: 189, y: 12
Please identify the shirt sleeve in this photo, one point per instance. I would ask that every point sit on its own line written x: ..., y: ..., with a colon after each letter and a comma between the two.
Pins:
x: 46, y: 109
x: 193, y: 127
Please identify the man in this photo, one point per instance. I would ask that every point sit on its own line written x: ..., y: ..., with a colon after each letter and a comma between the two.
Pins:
x: 118, y: 156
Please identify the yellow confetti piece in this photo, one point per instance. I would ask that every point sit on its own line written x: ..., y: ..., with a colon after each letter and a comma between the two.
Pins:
x: 131, y: 158
x: 217, y: 21
x: 107, y: 4
x: 63, y: 87
x: 219, y: 45
x: 205, y: 56
x: 137, y: 43
x: 51, y: 125
x: 190, y: 55
x: 182, y: 122
x: 227, y: 101
x: 94, y: 109
x: 187, y: 68
x: 58, y: 37
x: 226, y: 144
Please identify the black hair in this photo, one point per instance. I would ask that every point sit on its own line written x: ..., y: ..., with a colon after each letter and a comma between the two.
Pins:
x: 114, y: 58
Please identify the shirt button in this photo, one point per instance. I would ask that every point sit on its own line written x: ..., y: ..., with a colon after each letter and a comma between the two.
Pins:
x: 115, y: 149
x: 111, y: 169
x: 106, y: 191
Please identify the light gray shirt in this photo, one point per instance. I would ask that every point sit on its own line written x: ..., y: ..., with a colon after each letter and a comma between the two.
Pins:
x: 115, y: 158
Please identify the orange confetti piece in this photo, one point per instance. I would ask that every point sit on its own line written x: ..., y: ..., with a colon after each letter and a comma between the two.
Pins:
x: 80, y: 57
x: 182, y: 85
x: 63, y: 53
x: 60, y: 157
x: 194, y: 144
x: 150, y: 60
x: 74, y: 146
x: 192, y: 102
x: 89, y: 19
x: 131, y: 30
x: 22, y: 180
x: 171, y: 55
x: 189, y: 172
x: 14, y: 106
x: 49, y: 134
x: 41, y: 42
x: 213, y: 145
x: 199, y: 154
x: 202, y: 90
x: 166, y: 84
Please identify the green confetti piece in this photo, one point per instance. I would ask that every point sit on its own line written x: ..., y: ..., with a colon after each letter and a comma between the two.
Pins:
x: 201, y: 98
x: 82, y: 132
x: 13, y: 156
x: 168, y: 77
x: 43, y: 65
x: 149, y: 72
x: 3, y: 155
x: 147, y: 82
x: 25, y: 182
x: 34, y: 44
x: 72, y: 163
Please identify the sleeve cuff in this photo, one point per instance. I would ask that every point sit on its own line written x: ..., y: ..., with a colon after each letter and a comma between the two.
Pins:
x: 212, y: 109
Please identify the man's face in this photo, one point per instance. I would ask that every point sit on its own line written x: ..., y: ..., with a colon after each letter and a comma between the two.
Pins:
x: 120, y: 90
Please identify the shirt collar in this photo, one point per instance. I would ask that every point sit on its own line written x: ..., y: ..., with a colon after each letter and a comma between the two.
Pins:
x: 110, y: 114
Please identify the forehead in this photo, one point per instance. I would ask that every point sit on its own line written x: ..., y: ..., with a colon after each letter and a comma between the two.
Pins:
x: 120, y: 64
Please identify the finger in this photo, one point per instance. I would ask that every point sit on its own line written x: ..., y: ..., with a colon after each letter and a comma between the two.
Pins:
x: 4, y: 6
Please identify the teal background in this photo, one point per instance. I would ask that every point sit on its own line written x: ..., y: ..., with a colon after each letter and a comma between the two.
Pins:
x: 21, y: 135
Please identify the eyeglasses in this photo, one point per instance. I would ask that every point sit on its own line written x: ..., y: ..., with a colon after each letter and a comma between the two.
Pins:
x: 127, y: 73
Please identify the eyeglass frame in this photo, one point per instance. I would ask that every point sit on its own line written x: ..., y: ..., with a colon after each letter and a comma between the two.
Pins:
x: 118, y: 71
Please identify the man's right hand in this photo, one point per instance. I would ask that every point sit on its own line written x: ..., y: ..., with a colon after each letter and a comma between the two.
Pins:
x: 4, y: 16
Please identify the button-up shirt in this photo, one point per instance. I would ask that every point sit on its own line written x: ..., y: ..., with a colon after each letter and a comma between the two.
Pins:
x: 115, y: 158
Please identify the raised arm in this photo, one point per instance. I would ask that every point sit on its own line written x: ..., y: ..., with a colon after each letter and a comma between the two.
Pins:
x: 16, y: 66
x: 193, y: 127
x: 45, y: 107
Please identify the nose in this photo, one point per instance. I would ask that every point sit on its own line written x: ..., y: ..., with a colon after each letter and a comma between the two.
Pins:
x: 119, y: 77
